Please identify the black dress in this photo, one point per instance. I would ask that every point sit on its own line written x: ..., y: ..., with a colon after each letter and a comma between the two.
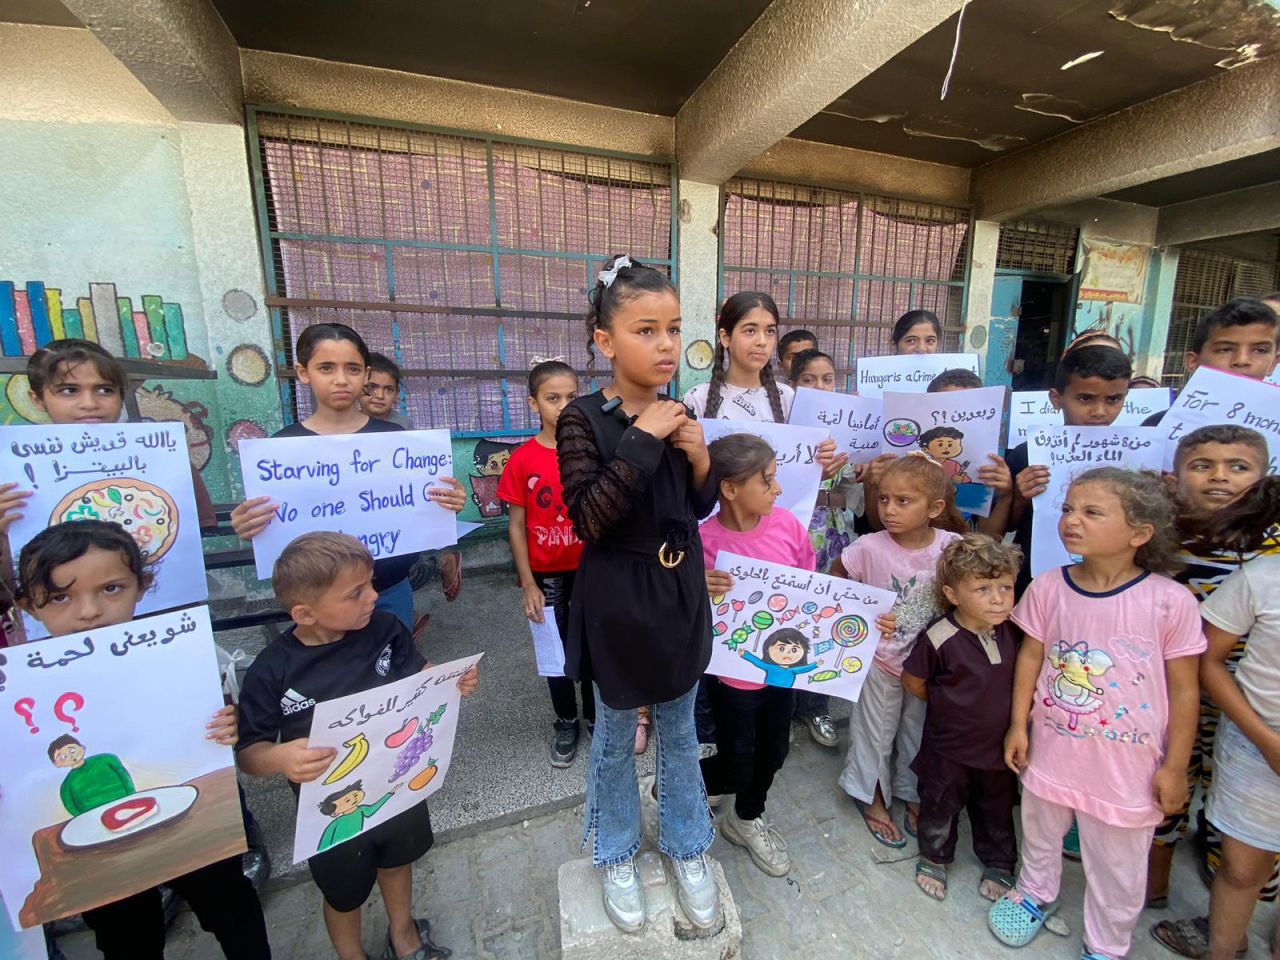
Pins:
x: 640, y: 630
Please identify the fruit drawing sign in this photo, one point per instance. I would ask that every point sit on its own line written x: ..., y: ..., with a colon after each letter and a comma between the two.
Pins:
x: 135, y: 474
x: 786, y: 627
x: 394, y: 744
x: 109, y: 786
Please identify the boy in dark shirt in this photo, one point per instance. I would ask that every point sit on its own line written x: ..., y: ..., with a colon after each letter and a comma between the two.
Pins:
x: 339, y: 645
x: 962, y: 666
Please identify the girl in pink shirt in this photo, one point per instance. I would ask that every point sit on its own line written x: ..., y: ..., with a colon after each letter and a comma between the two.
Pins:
x: 1105, y: 704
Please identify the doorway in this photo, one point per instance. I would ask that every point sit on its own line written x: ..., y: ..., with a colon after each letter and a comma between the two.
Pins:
x: 1042, y: 328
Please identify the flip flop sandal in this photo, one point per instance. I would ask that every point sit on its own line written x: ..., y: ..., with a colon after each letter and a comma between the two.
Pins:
x: 1188, y: 937
x: 875, y: 832
x: 1015, y: 918
x: 1002, y: 877
x: 933, y: 871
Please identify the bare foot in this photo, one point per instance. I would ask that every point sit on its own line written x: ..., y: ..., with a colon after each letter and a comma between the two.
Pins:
x: 912, y: 819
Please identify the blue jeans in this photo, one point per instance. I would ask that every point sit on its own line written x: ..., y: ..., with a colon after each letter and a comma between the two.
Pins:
x: 613, y: 797
x: 398, y: 599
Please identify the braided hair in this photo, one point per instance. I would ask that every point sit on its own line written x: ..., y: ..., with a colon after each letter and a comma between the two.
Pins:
x: 628, y: 281
x: 734, y: 309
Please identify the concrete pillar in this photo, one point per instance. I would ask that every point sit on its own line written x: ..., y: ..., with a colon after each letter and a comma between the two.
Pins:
x: 982, y: 276
x: 698, y: 277
x: 1157, y: 312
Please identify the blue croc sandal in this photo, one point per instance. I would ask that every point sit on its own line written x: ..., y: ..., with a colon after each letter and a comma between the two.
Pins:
x: 1015, y: 918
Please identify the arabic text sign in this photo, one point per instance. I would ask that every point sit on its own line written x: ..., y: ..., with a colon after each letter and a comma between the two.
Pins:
x: 854, y: 422
x: 799, y: 474
x: 136, y: 698
x: 370, y: 485
x: 1069, y: 452
x: 394, y: 743
x: 958, y: 428
x: 1031, y: 408
x: 909, y: 372
x: 135, y: 474
x: 1210, y: 397
x: 787, y: 627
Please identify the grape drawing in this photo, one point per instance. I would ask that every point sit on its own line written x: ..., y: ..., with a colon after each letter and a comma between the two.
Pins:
x: 412, y: 752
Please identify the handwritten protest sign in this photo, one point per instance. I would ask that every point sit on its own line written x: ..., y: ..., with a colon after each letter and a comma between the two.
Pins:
x: 109, y: 786
x: 799, y: 473
x: 394, y: 743
x: 135, y: 474
x: 909, y: 372
x: 786, y: 627
x: 1213, y: 396
x: 1069, y: 452
x: 1031, y: 408
x: 370, y: 485
x: 854, y: 422
x: 958, y: 428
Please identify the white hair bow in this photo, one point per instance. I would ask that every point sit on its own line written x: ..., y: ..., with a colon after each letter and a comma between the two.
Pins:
x: 534, y: 361
x: 608, y: 276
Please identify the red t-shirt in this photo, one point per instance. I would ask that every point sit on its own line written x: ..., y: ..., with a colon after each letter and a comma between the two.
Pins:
x: 532, y: 480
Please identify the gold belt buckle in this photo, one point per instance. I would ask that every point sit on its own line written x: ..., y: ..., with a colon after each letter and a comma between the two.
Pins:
x: 667, y: 560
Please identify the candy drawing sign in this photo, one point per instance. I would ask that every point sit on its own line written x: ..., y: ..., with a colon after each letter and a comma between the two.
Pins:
x: 394, y: 743
x: 959, y: 429
x: 1212, y: 396
x: 135, y: 474
x: 854, y: 422
x: 799, y: 474
x: 1069, y: 452
x: 1031, y: 408
x: 908, y: 372
x: 373, y: 486
x: 109, y: 786
x: 786, y: 627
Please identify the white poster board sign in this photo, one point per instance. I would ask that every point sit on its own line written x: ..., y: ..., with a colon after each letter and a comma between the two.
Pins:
x: 395, y: 745
x: 370, y: 485
x: 908, y: 372
x: 1213, y: 396
x: 958, y: 428
x: 1069, y: 452
x: 135, y: 474
x: 109, y: 786
x: 799, y: 473
x: 853, y: 421
x: 1031, y: 408
x: 786, y: 627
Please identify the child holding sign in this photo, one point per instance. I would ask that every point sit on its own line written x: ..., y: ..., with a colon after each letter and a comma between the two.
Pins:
x: 86, y: 574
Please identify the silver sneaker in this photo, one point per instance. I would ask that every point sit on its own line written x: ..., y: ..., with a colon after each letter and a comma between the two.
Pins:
x: 823, y: 730
x: 767, y: 848
x: 624, y: 897
x: 698, y: 894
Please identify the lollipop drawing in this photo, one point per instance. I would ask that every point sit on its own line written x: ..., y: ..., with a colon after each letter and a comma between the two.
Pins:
x: 849, y: 630
x: 902, y: 432
x: 762, y: 620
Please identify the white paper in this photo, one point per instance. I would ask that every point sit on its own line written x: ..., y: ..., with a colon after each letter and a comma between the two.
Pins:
x: 799, y: 473
x: 20, y: 944
x: 370, y: 485
x: 1213, y: 396
x: 142, y: 693
x: 908, y: 372
x: 548, y: 651
x: 853, y: 421
x: 1031, y: 408
x: 1069, y: 452
x: 929, y: 421
x: 134, y: 474
x: 389, y: 740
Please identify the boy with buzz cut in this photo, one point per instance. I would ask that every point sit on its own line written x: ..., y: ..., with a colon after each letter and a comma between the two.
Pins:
x: 382, y: 391
x: 792, y: 344
x: 339, y: 644
x: 962, y: 667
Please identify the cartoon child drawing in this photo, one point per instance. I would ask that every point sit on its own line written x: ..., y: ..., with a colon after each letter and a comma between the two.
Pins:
x: 348, y: 814
x: 785, y: 655
x: 945, y: 444
x: 489, y: 459
x: 90, y: 781
x: 1072, y: 687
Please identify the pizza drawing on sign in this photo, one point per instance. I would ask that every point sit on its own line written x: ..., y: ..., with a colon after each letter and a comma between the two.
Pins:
x: 148, y: 513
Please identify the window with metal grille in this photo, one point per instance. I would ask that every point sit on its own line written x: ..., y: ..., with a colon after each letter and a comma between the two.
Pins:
x: 845, y: 265
x: 1038, y: 246
x: 1205, y: 280
x: 463, y: 258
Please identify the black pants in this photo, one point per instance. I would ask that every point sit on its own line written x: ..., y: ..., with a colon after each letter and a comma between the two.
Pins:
x: 557, y: 588
x: 810, y: 705
x: 753, y: 733
x: 946, y: 788
x: 222, y: 899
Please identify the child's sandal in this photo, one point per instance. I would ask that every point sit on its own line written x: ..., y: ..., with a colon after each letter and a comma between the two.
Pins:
x: 931, y: 871
x: 995, y: 875
x: 1015, y: 918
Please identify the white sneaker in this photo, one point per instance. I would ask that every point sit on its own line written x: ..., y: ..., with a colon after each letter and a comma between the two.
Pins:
x: 698, y: 894
x: 624, y: 897
x: 767, y: 848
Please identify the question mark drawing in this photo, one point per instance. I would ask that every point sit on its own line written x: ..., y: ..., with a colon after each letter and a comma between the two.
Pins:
x: 65, y: 705
x: 23, y: 708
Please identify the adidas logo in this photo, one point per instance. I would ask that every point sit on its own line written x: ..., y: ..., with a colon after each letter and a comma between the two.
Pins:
x: 294, y: 702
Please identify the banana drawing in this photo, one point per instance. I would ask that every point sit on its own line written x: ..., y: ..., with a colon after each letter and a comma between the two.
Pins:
x: 359, y: 749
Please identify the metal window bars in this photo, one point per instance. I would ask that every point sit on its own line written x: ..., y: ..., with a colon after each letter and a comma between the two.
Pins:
x: 1038, y: 246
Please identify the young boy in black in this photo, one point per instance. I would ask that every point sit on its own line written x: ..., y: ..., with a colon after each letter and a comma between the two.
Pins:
x: 339, y: 645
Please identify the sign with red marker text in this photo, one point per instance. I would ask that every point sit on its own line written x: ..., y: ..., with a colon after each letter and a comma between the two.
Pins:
x: 1213, y: 396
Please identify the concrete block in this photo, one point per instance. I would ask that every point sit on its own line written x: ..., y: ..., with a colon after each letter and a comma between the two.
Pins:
x: 587, y: 934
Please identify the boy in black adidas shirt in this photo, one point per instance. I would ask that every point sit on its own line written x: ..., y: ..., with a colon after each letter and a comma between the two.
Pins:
x: 339, y: 645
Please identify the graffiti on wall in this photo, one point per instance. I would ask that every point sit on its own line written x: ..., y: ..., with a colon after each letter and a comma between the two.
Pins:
x: 489, y: 458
